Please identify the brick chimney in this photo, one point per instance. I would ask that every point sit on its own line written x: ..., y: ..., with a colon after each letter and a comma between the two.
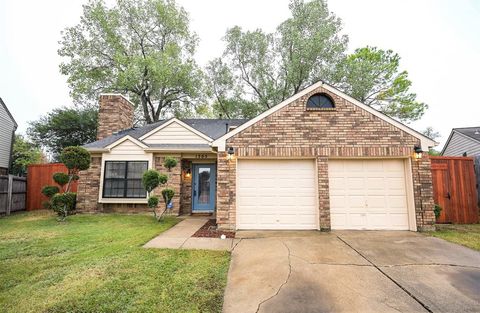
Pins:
x: 115, y: 113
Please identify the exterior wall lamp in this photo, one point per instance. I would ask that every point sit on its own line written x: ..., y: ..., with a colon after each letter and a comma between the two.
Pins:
x: 230, y: 153
x: 188, y: 173
x: 417, y: 152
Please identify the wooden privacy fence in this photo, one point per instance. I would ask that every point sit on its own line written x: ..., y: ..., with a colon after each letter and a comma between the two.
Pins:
x: 454, y: 189
x: 13, y: 191
x: 40, y: 175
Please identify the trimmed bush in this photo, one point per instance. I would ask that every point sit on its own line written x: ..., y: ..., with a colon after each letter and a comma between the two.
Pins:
x: 168, y: 194
x: 170, y: 162
x: 152, y: 179
x: 64, y: 203
x: 75, y: 159
x: 153, y: 202
x: 61, y: 178
x: 49, y: 191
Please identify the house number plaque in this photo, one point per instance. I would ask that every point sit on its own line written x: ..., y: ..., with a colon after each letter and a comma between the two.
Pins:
x: 201, y: 156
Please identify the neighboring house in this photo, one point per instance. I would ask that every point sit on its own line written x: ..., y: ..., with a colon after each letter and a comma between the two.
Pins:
x: 7, y: 136
x: 463, y: 142
x: 318, y: 160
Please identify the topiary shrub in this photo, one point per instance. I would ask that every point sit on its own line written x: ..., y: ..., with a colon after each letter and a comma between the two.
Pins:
x: 153, y: 202
x: 76, y: 159
x: 152, y: 179
x: 167, y: 195
x: 49, y: 191
x: 63, y: 203
x: 170, y: 162
x: 61, y: 178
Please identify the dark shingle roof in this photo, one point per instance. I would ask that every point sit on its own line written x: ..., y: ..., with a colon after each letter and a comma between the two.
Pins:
x: 213, y: 128
x: 472, y: 132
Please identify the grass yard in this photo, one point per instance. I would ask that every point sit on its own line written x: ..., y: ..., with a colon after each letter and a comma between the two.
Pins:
x: 467, y: 235
x: 96, y: 263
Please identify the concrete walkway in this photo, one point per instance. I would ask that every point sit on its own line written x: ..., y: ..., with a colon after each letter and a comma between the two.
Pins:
x: 180, y: 237
x: 375, y: 271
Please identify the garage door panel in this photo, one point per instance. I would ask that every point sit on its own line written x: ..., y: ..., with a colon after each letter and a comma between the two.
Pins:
x: 276, y: 194
x: 379, y: 202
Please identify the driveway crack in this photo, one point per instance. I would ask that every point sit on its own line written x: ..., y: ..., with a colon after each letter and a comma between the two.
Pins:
x: 233, y: 248
x: 284, y: 283
x: 388, y: 276
x: 430, y: 264
x: 327, y: 263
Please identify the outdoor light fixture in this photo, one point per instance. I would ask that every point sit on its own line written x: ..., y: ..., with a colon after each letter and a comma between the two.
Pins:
x: 188, y: 173
x: 417, y: 152
x: 230, y: 153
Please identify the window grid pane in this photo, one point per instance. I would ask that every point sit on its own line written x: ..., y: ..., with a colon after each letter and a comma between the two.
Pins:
x: 123, y: 179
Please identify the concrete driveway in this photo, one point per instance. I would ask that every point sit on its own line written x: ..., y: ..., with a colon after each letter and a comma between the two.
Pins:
x: 375, y: 271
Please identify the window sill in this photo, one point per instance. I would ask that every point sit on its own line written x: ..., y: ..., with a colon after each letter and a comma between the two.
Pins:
x: 124, y: 200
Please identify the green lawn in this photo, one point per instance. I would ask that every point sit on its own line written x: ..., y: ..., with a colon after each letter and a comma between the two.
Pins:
x: 96, y: 263
x: 467, y: 235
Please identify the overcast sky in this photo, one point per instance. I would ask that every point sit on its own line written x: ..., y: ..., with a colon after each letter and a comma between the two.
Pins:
x: 438, y: 41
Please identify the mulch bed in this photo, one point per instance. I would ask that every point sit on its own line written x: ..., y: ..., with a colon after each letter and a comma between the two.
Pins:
x: 210, y: 230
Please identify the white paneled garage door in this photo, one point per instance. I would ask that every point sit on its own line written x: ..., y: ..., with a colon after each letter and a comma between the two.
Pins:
x: 276, y: 194
x: 368, y: 194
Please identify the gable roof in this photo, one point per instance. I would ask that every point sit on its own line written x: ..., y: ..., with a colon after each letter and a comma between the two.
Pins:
x: 184, y: 125
x: 425, y: 141
x: 472, y: 133
x: 8, y: 112
x: 211, y: 128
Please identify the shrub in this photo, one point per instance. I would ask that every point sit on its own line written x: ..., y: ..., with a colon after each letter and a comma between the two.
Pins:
x: 153, y: 202
x: 61, y: 178
x: 437, y: 210
x: 64, y: 203
x: 170, y: 162
x: 75, y: 159
x: 167, y: 194
x: 49, y: 191
x: 152, y: 179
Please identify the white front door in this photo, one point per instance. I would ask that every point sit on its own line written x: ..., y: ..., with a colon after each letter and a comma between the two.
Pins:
x: 368, y: 194
x: 276, y: 194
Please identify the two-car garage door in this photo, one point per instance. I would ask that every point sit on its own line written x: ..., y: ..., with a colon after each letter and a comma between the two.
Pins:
x: 282, y: 194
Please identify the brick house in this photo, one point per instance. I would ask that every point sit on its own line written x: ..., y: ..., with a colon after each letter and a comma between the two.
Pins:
x: 318, y: 160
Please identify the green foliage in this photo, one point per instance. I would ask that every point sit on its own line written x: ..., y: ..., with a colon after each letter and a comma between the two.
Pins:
x: 152, y: 179
x: 64, y: 127
x: 372, y: 76
x: 24, y: 153
x: 63, y: 203
x: 437, y: 210
x: 167, y: 195
x: 153, y: 202
x: 170, y: 162
x: 142, y: 47
x: 434, y: 152
x: 61, y: 178
x: 259, y: 70
x: 49, y: 191
x: 75, y: 159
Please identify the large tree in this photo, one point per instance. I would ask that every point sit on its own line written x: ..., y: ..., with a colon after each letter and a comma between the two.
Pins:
x: 141, y: 47
x: 372, y: 76
x: 262, y: 69
x: 64, y: 127
x: 259, y: 70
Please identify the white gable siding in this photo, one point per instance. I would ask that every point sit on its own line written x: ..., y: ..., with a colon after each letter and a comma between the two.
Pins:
x: 459, y: 144
x: 6, y: 128
x: 127, y: 149
x: 174, y: 134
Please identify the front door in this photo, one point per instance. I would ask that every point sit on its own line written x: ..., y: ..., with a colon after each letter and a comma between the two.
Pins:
x: 204, y: 187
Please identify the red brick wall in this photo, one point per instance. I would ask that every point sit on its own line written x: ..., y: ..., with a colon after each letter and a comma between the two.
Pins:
x: 115, y: 113
x: 88, y: 186
x: 346, y: 131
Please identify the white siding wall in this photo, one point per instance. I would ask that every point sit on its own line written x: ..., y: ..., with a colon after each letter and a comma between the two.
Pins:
x: 174, y: 134
x: 459, y: 144
x: 6, y: 128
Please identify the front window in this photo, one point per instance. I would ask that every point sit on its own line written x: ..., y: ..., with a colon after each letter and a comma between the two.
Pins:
x: 123, y: 179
